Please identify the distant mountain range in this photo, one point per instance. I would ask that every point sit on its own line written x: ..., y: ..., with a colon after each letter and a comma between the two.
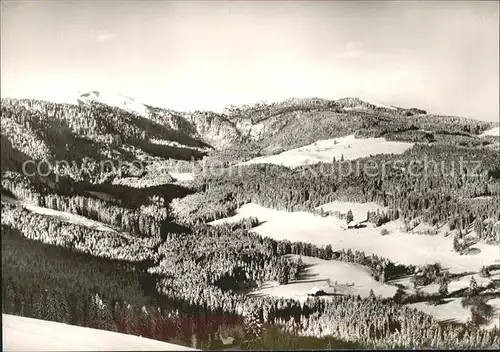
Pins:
x: 131, y: 105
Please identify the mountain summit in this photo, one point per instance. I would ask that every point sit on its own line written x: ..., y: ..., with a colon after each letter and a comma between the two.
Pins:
x: 357, y: 103
x: 114, y: 99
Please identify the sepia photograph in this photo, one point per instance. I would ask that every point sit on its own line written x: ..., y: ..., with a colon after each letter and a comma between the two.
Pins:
x: 250, y: 175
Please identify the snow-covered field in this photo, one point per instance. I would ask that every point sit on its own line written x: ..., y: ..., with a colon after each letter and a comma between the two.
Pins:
x: 359, y: 210
x: 398, y: 246
x: 182, y: 176
x: 27, y: 334
x: 335, y: 277
x: 407, y: 248
x: 323, y: 151
x: 458, y: 284
x: 102, y: 195
x: 61, y: 215
x: 331, y: 276
x: 452, y: 310
x: 495, y: 131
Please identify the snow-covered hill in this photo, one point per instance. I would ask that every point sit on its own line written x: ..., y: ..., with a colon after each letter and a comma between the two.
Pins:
x: 116, y: 100
x: 209, y: 127
x: 27, y: 334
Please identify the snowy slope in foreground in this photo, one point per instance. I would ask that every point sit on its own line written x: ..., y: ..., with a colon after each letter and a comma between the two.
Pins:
x: 324, y: 150
x: 27, y: 334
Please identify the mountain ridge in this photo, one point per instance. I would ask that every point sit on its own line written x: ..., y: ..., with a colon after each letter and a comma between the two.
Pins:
x: 246, y: 122
x: 122, y: 101
x: 120, y: 126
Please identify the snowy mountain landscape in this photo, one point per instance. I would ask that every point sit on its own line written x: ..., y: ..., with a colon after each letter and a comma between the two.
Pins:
x: 250, y: 175
x: 286, y: 217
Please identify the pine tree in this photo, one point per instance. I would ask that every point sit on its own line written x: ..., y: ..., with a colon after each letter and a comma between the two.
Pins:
x: 456, y: 244
x: 472, y: 286
x: 398, y: 296
x: 8, y: 299
x: 92, y: 314
x: 105, y: 318
x: 253, y: 323
x: 328, y: 252
x: 443, y: 288
x: 300, y: 262
x: 284, y: 275
x: 63, y: 306
x: 349, y: 216
x: 372, y: 295
x: 322, y: 212
x: 52, y: 312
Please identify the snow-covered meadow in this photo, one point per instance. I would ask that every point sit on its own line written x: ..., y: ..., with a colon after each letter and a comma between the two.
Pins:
x: 323, y: 151
x: 407, y: 248
x: 398, y: 246
x: 331, y: 276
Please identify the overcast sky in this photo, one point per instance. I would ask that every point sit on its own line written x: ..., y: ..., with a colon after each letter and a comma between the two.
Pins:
x: 441, y: 56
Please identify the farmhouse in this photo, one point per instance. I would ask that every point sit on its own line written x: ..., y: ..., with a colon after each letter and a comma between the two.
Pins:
x: 316, y: 291
x: 353, y: 225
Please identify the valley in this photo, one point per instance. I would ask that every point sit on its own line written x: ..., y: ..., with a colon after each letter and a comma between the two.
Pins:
x: 258, y: 224
x: 250, y: 175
